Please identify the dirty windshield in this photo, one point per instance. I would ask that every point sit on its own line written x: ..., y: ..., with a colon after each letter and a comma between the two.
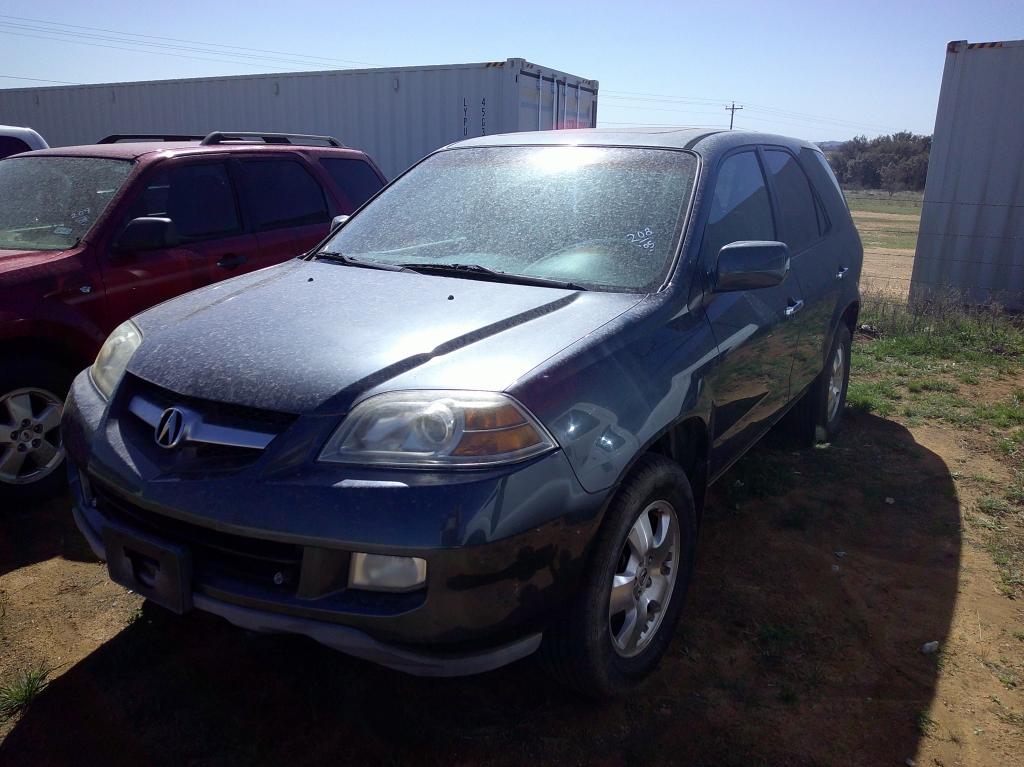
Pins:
x: 605, y: 218
x: 49, y: 203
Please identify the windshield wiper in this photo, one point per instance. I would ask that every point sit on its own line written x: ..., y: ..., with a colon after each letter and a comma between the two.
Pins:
x: 340, y: 258
x: 475, y: 270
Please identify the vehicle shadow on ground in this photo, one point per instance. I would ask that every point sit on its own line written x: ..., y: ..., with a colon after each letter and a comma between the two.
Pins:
x: 799, y: 646
x: 35, y: 531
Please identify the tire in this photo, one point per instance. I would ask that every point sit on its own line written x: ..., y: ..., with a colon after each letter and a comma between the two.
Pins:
x: 32, y: 454
x: 589, y: 648
x: 819, y: 413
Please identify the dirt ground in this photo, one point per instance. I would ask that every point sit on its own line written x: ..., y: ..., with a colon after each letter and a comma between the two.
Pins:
x: 821, y: 573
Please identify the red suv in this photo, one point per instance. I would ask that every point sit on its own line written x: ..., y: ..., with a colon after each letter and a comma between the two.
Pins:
x: 91, y: 235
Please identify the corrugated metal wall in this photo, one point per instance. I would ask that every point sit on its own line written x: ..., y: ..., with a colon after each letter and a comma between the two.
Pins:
x: 972, y: 219
x: 397, y: 115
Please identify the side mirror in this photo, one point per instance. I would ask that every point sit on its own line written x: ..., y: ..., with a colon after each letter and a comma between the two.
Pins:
x: 751, y: 264
x: 336, y: 223
x: 146, y: 233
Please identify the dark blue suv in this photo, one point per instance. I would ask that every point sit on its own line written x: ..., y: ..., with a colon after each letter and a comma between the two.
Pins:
x: 478, y: 420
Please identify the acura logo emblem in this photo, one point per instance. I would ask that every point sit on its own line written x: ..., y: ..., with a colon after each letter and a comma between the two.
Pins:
x: 170, y: 429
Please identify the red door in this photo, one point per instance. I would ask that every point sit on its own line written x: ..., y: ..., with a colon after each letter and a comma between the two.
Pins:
x: 212, y: 244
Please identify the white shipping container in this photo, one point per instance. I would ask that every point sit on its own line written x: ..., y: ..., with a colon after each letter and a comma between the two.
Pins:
x: 396, y: 114
x: 972, y: 218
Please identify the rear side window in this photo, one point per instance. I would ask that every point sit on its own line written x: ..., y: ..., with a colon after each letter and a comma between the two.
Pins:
x: 10, y: 145
x: 740, y: 209
x: 356, y: 180
x: 283, y: 194
x: 824, y: 180
x: 800, y: 217
x: 198, y: 198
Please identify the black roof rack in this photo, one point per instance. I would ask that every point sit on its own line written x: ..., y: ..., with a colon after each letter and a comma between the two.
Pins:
x: 119, y: 137
x: 223, y: 137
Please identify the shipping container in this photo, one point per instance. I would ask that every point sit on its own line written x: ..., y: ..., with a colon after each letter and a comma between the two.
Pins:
x: 396, y: 114
x: 972, y: 219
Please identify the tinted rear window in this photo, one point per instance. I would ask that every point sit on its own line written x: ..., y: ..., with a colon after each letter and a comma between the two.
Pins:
x: 283, y: 194
x: 796, y: 202
x: 355, y: 179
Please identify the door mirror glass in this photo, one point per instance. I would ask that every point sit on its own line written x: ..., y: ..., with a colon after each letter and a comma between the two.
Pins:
x: 751, y: 264
x: 337, y: 222
x: 146, y: 233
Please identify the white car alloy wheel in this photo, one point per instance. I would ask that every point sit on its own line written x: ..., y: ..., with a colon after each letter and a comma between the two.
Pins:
x: 30, y: 443
x: 644, y: 579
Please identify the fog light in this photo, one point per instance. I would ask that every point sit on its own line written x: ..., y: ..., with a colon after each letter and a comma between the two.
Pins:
x: 380, y: 572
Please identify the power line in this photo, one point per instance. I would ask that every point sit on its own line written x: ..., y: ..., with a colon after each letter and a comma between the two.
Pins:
x: 37, y: 80
x: 122, y: 48
x: 58, y: 24
x: 656, y: 97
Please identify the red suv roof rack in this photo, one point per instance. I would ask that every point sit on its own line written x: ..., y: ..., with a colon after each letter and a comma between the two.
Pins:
x: 119, y: 137
x: 223, y: 137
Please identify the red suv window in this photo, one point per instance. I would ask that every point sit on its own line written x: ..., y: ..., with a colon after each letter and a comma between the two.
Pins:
x: 197, y: 197
x: 283, y: 194
x: 355, y: 179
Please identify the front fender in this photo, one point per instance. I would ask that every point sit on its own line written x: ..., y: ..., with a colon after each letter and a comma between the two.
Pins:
x: 607, y: 398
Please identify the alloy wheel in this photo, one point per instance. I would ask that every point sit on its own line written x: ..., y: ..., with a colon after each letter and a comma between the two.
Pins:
x: 835, y: 383
x: 644, y: 579
x: 30, y: 442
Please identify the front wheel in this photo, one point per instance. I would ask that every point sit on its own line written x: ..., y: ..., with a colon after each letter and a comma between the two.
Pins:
x: 32, y: 396
x: 631, y: 597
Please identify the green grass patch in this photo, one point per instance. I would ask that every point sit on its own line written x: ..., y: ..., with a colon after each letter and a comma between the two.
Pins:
x: 895, y: 237
x: 871, y: 201
x: 925, y: 724
x: 878, y: 397
x: 16, y: 696
x: 996, y: 507
x: 932, y: 384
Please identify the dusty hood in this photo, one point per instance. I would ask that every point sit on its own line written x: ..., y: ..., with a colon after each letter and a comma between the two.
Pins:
x: 308, y: 336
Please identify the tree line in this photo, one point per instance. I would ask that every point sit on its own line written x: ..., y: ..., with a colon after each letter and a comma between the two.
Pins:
x: 895, y: 163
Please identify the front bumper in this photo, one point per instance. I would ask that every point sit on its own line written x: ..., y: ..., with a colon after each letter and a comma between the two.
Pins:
x: 270, y: 545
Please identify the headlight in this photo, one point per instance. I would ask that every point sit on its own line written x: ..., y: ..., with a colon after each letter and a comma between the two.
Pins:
x: 437, y: 429
x: 113, y: 358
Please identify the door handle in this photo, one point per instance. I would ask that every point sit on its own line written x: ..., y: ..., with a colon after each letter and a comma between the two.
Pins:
x: 842, y: 272
x: 794, y: 307
x: 231, y: 260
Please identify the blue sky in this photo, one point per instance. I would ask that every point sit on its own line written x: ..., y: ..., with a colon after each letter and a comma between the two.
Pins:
x: 816, y: 70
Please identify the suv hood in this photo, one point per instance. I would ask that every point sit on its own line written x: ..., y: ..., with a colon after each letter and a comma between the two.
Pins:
x: 313, y: 337
x: 20, y: 260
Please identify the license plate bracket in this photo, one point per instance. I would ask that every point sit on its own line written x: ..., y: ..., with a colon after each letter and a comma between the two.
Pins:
x: 159, y: 571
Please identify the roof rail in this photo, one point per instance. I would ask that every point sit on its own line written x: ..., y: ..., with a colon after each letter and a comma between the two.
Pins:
x: 223, y: 137
x: 119, y: 137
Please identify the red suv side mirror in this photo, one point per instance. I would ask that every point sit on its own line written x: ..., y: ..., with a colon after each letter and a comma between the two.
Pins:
x: 146, y: 233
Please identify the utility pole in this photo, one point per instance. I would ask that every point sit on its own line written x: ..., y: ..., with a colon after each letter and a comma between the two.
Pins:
x: 732, y: 113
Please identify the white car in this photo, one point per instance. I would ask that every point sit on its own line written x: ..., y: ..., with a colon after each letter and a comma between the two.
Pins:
x: 16, y: 140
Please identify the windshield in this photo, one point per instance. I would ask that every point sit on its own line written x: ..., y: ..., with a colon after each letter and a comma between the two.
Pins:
x: 49, y: 203
x: 604, y: 218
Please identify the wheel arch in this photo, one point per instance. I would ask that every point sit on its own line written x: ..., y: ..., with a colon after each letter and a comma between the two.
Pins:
x: 64, y: 352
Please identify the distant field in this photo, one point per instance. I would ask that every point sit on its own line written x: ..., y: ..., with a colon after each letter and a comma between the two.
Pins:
x: 888, y: 229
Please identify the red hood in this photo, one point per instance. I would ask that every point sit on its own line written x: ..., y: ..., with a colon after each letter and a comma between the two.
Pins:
x: 13, y: 260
